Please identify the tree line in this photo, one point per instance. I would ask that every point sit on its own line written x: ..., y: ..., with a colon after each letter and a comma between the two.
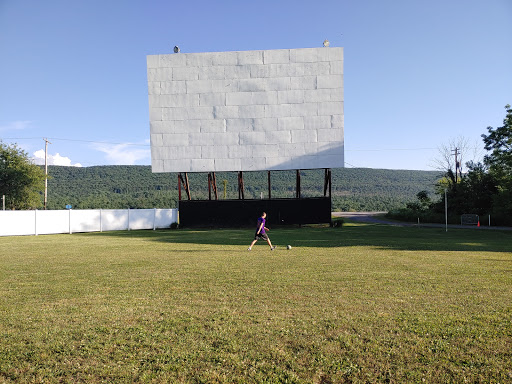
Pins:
x: 137, y: 187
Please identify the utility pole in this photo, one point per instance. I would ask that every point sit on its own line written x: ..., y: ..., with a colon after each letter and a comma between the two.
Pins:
x: 46, y: 172
x: 457, y: 165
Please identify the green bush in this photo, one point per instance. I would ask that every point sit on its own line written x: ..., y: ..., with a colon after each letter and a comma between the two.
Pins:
x: 337, y: 222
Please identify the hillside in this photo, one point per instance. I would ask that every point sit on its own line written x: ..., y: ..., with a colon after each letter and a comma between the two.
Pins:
x: 354, y: 189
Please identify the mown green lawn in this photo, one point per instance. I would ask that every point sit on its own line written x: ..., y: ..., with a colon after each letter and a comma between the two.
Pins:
x: 361, y: 303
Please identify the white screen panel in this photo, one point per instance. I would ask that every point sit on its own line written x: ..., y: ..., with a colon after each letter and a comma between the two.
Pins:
x: 247, y: 110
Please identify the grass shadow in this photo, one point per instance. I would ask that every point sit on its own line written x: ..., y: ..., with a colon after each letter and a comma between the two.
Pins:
x: 350, y: 235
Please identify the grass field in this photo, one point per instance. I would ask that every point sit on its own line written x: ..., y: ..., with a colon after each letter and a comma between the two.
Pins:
x: 362, y: 303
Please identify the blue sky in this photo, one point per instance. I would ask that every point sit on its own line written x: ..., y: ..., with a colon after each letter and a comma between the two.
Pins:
x: 418, y: 74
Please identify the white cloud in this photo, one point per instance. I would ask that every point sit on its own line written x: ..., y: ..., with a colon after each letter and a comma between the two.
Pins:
x: 56, y: 159
x: 15, y: 125
x: 124, y: 153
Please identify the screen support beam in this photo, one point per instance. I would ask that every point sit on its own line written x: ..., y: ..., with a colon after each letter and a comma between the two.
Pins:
x: 186, y: 185
x: 297, y: 190
x: 328, y: 182
x: 212, y: 185
x: 269, y: 186
x: 241, y: 185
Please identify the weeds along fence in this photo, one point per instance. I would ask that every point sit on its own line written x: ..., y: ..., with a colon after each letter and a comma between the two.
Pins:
x: 19, y: 223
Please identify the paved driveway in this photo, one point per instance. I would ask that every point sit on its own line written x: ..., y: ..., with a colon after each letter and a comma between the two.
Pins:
x: 377, y: 218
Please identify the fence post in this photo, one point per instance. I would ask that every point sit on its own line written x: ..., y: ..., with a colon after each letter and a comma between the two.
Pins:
x: 128, y: 218
x: 101, y: 220
x: 70, y: 230
x: 35, y: 222
x: 154, y: 219
x: 446, y: 208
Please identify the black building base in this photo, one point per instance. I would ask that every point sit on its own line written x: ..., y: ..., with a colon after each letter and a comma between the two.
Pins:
x: 244, y: 213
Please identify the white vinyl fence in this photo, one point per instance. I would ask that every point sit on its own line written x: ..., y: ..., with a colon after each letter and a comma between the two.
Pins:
x: 16, y: 223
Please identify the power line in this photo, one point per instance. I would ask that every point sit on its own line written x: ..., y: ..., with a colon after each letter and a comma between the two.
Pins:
x: 101, y: 142
x: 389, y: 149
x: 148, y: 145
x: 77, y: 140
x: 395, y: 149
x: 21, y: 138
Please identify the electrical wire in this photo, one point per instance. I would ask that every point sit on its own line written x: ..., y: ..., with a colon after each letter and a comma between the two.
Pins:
x: 76, y: 140
x: 389, y: 149
x: 149, y: 145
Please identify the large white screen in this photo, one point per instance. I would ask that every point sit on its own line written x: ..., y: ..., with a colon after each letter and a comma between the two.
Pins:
x: 246, y: 111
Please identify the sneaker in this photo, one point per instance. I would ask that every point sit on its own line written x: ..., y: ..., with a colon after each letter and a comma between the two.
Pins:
x: 249, y: 248
x: 272, y: 248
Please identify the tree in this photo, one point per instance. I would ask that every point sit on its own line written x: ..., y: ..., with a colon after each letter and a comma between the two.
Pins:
x: 448, y: 162
x: 422, y: 205
x: 478, y: 189
x: 499, y: 141
x: 21, y: 181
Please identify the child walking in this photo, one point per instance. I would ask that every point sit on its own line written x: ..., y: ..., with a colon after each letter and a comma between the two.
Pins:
x: 261, y: 232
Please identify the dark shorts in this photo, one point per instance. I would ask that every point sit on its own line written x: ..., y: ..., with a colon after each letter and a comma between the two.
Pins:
x: 262, y: 236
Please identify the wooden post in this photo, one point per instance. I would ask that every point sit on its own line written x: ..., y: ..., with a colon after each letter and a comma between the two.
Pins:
x: 325, y: 182
x: 239, y: 192
x: 328, y: 182
x: 187, y: 186
x: 209, y: 186
x: 241, y: 185
x: 212, y: 185
x: 214, y: 181
x: 179, y: 186
x: 297, y: 190
x: 269, y: 187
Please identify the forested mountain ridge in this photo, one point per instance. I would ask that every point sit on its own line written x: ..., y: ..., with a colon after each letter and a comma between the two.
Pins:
x: 133, y: 186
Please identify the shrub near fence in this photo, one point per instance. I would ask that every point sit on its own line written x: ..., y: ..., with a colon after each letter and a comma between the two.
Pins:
x: 16, y: 223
